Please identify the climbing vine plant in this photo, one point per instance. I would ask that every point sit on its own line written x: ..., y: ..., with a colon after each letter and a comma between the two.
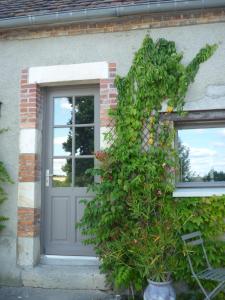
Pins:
x: 4, y: 178
x: 132, y: 221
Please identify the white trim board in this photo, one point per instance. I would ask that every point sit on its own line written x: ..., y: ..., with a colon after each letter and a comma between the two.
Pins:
x: 68, y: 73
x: 198, y: 192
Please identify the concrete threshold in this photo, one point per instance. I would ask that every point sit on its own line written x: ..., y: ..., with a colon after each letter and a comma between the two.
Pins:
x: 58, y: 260
x: 72, y: 277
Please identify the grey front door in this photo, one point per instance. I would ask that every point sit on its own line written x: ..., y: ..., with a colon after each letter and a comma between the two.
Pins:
x: 72, y: 137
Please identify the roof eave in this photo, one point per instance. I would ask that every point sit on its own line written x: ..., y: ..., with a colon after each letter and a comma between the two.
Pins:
x: 98, y: 14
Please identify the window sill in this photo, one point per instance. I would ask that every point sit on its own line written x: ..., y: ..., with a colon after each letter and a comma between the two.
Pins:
x: 198, y: 192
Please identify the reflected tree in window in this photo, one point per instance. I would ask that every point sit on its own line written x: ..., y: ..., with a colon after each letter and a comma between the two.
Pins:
x: 67, y: 146
x: 83, y: 140
x: 185, y: 172
x: 81, y: 166
x: 84, y: 136
x: 214, y: 176
x: 84, y: 110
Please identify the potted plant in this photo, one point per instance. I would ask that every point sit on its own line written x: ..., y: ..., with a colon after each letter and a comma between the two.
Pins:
x: 132, y: 219
x: 164, y: 249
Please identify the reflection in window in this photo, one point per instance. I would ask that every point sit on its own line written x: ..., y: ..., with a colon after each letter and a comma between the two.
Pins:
x: 62, y: 141
x: 62, y: 172
x: 84, y: 110
x: 63, y: 110
x: 84, y: 140
x: 73, y: 137
x: 81, y: 165
x: 201, y: 154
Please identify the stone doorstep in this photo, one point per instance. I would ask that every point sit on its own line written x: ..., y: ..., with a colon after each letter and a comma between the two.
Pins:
x: 64, y: 277
x: 59, y: 260
x: 28, y: 293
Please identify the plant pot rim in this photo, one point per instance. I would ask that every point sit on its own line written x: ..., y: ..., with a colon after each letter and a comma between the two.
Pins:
x: 159, y: 283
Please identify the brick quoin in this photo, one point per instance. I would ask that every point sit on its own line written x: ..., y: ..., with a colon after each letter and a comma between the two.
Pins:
x: 29, y: 168
x: 30, y: 102
x: 108, y: 96
x: 28, y: 222
x: 29, y: 164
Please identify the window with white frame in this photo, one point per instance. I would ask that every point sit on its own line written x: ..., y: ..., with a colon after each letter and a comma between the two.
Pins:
x: 201, y: 148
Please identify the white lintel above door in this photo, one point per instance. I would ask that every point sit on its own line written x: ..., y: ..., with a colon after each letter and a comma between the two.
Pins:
x: 85, y: 72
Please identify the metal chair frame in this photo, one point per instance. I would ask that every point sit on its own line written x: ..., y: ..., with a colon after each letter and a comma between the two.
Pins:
x: 217, y: 275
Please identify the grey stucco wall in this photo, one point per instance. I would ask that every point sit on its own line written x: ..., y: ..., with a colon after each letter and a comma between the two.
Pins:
x: 111, y: 47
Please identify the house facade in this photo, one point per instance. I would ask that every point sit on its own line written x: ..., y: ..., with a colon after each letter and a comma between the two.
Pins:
x: 58, y: 62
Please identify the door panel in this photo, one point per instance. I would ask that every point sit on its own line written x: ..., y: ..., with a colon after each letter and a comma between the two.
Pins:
x: 72, y: 137
x: 59, y: 217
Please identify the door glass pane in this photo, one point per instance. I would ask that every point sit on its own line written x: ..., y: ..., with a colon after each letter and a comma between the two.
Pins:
x: 202, y: 155
x: 81, y: 165
x: 63, y: 110
x: 84, y: 110
x: 62, y: 141
x: 62, y: 172
x: 84, y: 140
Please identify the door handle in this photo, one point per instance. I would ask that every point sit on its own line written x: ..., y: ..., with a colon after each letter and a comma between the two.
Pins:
x: 47, y: 176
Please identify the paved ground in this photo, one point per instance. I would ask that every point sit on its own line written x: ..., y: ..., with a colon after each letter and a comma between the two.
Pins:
x: 25, y: 293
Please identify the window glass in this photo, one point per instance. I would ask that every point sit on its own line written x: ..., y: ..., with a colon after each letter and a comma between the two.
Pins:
x: 73, y: 140
x: 63, y: 111
x: 81, y: 166
x: 62, y: 141
x: 84, y: 110
x: 62, y: 172
x: 201, y: 154
x: 84, y: 141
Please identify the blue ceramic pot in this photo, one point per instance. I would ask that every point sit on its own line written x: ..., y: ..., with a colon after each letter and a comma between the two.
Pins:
x: 159, y: 291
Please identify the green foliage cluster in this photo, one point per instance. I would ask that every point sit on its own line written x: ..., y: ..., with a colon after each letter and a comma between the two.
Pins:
x: 133, y: 221
x: 205, y: 215
x: 4, y: 178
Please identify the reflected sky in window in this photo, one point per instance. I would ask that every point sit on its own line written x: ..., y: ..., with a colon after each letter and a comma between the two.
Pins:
x: 58, y: 166
x: 205, y: 154
x: 63, y: 110
x: 62, y: 141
